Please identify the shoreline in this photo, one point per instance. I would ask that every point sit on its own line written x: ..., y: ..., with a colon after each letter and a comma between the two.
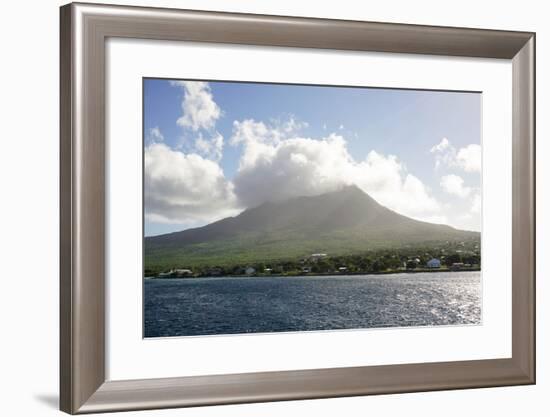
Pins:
x: 325, y: 274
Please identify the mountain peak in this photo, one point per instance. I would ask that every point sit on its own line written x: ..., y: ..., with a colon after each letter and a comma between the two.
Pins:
x: 346, y: 204
x: 351, y: 188
x: 352, y: 194
x: 346, y: 220
x: 346, y: 189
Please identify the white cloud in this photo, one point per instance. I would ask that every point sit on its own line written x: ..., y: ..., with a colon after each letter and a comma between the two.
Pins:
x: 476, y: 204
x: 469, y: 218
x: 259, y: 139
x: 441, y: 146
x: 182, y: 188
x: 469, y: 158
x: 444, y: 153
x: 277, y: 163
x: 200, y: 111
x: 386, y: 179
x: 278, y: 166
x: 291, y: 126
x: 155, y: 135
x: 249, y: 131
x: 211, y: 148
x: 453, y: 184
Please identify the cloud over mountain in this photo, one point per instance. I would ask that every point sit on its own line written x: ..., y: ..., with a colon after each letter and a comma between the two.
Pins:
x: 276, y: 165
x: 274, y: 159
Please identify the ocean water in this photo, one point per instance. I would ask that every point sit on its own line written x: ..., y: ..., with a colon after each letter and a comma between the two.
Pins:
x: 231, y: 305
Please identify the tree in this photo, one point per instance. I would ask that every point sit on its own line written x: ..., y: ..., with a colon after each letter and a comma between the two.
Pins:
x: 411, y: 265
x: 453, y: 258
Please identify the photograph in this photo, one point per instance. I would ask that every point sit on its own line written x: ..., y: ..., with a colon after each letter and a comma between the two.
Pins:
x: 275, y: 208
x: 287, y: 208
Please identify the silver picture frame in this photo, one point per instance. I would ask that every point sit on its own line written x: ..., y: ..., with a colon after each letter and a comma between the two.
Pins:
x: 83, y: 34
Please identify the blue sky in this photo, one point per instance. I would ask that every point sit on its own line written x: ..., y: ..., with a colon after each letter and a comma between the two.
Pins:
x: 397, y: 145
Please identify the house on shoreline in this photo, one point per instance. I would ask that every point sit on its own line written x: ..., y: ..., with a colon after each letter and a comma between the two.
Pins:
x: 176, y: 273
x: 433, y: 263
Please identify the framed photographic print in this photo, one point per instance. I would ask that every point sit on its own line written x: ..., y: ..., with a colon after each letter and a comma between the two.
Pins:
x: 261, y: 208
x: 234, y: 227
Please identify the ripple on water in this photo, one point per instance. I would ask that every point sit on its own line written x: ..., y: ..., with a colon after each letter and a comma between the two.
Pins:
x: 207, y: 306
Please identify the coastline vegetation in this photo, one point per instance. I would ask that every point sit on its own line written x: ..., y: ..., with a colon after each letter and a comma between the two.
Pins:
x: 451, y: 255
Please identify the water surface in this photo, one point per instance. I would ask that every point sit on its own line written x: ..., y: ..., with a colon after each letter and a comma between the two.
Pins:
x: 229, y: 305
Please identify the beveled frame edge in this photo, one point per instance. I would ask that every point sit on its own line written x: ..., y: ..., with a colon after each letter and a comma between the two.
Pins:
x: 83, y: 31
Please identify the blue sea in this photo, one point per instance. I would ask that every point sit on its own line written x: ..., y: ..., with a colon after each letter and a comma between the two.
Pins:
x: 234, y: 305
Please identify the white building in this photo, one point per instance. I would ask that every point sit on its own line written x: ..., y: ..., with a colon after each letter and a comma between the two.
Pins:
x: 316, y: 256
x: 250, y: 271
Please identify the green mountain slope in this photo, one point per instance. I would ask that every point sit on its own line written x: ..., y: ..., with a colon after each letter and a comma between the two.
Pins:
x: 337, y: 223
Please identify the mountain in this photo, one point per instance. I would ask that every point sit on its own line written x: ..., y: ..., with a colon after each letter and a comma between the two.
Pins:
x: 340, y: 222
